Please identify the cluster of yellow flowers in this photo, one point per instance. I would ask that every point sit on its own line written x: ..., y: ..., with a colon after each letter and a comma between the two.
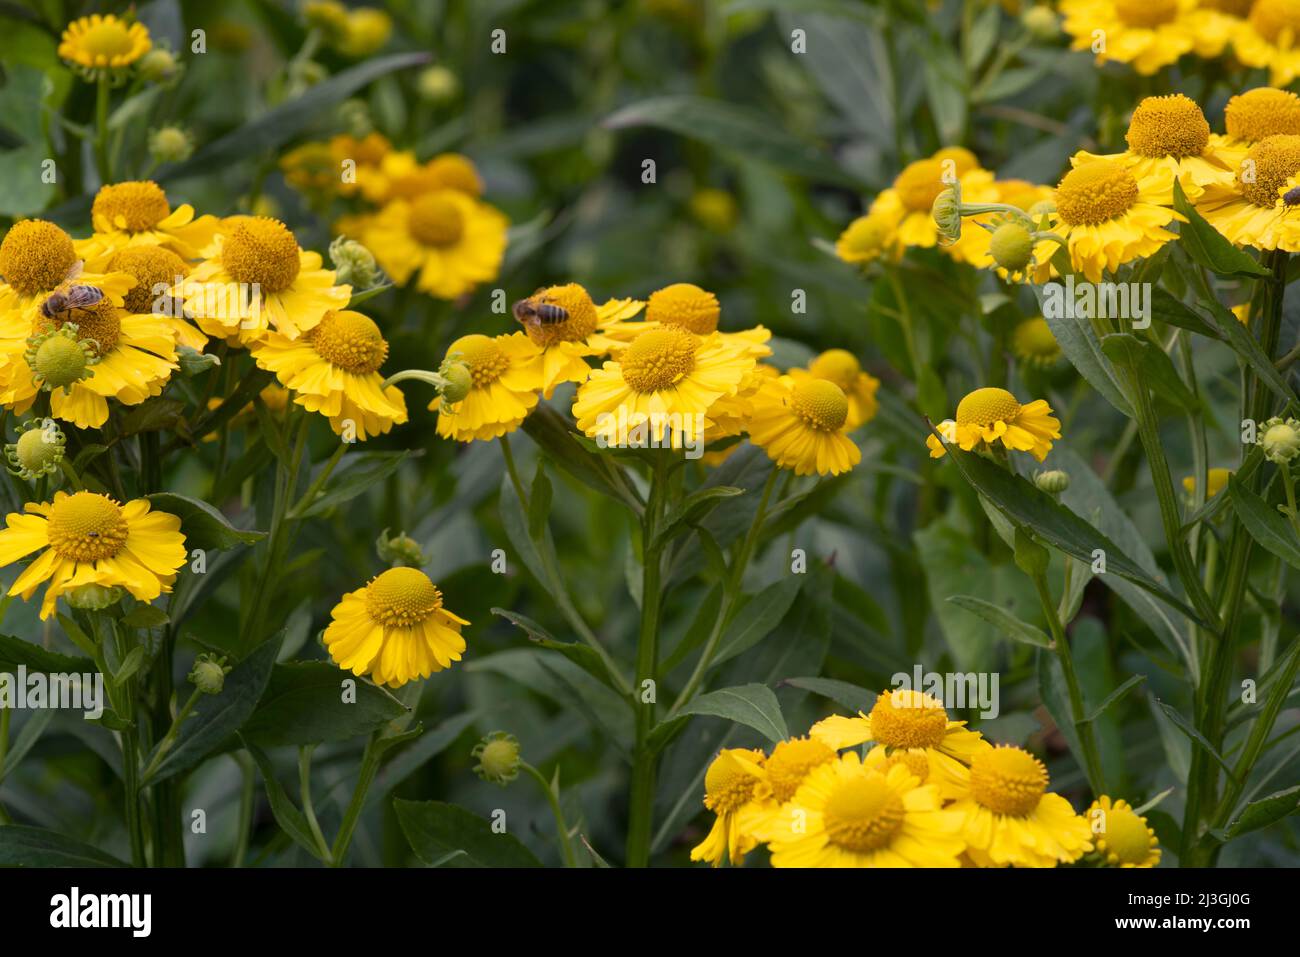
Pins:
x: 929, y: 793
x: 1151, y: 34
x: 672, y: 380
x: 425, y: 222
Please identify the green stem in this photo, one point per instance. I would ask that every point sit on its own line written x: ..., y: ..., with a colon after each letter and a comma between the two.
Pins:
x: 309, y: 496
x: 365, y: 777
x: 644, y: 760
x: 173, y: 732
x: 277, y: 541
x: 101, y: 131
x: 247, y: 797
x: 1087, y: 738
x: 554, y: 800
x: 5, y: 716
x: 308, y: 810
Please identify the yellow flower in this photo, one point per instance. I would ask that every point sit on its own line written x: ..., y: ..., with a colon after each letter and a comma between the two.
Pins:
x: 1121, y: 836
x: 1259, y: 208
x: 1109, y: 216
x: 1149, y: 34
x: 256, y: 278
x: 135, y: 356
x: 993, y: 415
x: 869, y: 237
x: 138, y: 214
x: 104, y: 43
x: 779, y: 778
x: 1168, y: 139
x: 729, y: 786
x: 661, y: 387
x: 36, y: 257
x: 1010, y: 819
x: 1033, y: 342
x: 1267, y: 38
x: 908, y: 203
x: 682, y: 305
x: 566, y: 344
x: 842, y: 367
x: 397, y: 174
x: 803, y: 426
x: 333, y: 369
x: 1216, y: 480
x: 395, y: 629
x: 449, y: 241
x: 846, y: 814
x: 156, y: 269
x: 89, y: 539
x: 904, y: 720
x: 506, y: 375
x: 365, y: 32
x: 1253, y: 116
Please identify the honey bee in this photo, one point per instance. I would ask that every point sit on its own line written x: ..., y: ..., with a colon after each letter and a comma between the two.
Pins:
x: 68, y: 298
x: 536, y: 310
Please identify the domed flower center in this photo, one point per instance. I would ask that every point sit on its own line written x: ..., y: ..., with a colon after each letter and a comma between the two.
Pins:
x: 986, y: 406
x: 908, y: 719
x: 35, y: 256
x: 401, y: 597
x: 919, y: 183
x: 573, y: 299
x: 1260, y: 113
x: 836, y: 365
x: 1007, y: 780
x: 453, y: 171
x: 686, y: 305
x: 1272, y: 19
x: 1235, y: 8
x: 863, y: 814
x: 1094, y: 192
x: 152, y: 267
x: 820, y: 404
x: 791, y: 762
x: 1033, y: 337
x: 59, y: 360
x: 1146, y: 14
x: 866, y: 235
x: 1168, y: 126
x: 1126, y: 836
x: 109, y: 37
x: 350, y: 341
x: 486, y: 360
x: 659, y: 359
x: 436, y: 220
x: 916, y: 762
x: 260, y: 250
x: 100, y: 323
x: 134, y: 207
x: 86, y: 526
x: 1273, y: 160
x: 727, y: 784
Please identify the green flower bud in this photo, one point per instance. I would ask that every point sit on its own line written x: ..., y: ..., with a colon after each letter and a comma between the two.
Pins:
x: 159, y: 65
x: 192, y: 362
x: 1054, y: 482
x: 1012, y: 246
x: 437, y: 84
x: 1041, y: 23
x: 1280, y: 440
x: 947, y: 214
x: 354, y: 264
x: 354, y: 116
x: 170, y: 144
x: 459, y: 381
x: 37, y: 451
x: 209, y: 673
x: 93, y: 597
x: 498, y: 758
x: 400, y: 549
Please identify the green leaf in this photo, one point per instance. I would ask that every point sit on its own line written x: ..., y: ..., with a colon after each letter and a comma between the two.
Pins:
x: 734, y: 130
x: 1185, y: 726
x: 1026, y: 505
x: 1114, y: 696
x: 1265, y: 811
x: 841, y: 692
x: 204, y: 527
x: 554, y: 436
x: 757, y: 618
x: 286, y: 813
x: 692, y: 511
x: 145, y: 616
x: 1080, y: 345
x: 303, y: 704
x: 216, y: 718
x: 1264, y: 522
x: 539, y: 501
x: 1208, y: 247
x: 1007, y: 623
x: 1055, y: 695
x: 358, y: 472
x: 436, y: 830
x: 946, y: 85
x: 37, y: 847
x: 428, y: 746
x: 1166, y: 309
x: 584, y: 656
x: 1154, y: 367
x: 22, y: 188
x: 754, y: 705
x: 130, y: 665
x: 16, y: 651
x: 152, y: 415
x: 35, y: 725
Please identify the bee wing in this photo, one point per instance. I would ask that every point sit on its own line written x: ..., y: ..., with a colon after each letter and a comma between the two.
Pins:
x: 80, y: 296
x: 75, y: 270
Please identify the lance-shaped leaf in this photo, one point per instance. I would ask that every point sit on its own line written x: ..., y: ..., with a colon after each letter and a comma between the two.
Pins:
x: 1264, y: 522
x: 754, y: 705
x: 1207, y: 246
